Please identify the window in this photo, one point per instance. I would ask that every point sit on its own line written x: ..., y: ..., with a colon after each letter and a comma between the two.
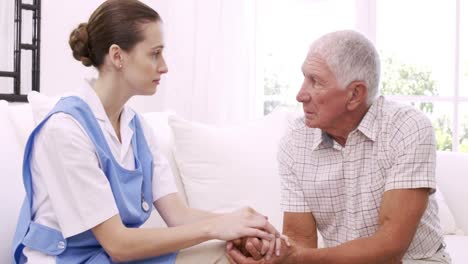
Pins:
x: 284, y: 30
x: 19, y: 48
x: 462, y: 72
x: 424, y: 55
x: 420, y: 52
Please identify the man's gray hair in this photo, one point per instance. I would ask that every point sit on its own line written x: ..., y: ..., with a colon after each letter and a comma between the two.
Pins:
x: 351, y: 57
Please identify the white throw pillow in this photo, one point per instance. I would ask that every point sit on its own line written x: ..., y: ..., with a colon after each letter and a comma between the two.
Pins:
x: 225, y: 168
x: 22, y: 120
x: 41, y: 105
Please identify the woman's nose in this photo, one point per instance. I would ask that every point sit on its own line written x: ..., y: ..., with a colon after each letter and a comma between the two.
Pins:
x: 163, y: 67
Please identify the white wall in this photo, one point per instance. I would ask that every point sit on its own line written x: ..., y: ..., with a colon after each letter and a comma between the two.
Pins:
x: 209, y: 52
x: 60, y: 72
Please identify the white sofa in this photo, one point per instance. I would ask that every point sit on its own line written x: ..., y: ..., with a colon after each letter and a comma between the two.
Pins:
x: 216, y: 168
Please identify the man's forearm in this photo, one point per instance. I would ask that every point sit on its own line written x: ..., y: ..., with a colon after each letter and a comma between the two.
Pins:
x: 372, y: 250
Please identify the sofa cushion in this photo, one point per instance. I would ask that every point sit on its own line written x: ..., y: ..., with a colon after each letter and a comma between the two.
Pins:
x: 12, y: 191
x: 224, y: 168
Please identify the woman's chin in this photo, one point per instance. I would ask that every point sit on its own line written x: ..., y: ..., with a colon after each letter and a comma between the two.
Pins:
x: 148, y: 91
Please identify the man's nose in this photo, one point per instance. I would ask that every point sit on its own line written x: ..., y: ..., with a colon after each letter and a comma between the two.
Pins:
x: 302, y: 96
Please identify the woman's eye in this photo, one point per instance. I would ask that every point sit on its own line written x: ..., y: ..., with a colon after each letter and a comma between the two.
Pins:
x: 156, y: 55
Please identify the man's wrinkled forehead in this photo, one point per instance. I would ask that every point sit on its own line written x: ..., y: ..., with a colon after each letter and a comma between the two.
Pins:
x: 313, y: 56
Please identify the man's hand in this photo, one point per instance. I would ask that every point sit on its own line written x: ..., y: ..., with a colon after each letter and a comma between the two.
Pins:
x: 254, y: 250
x: 250, y: 247
x: 258, y: 248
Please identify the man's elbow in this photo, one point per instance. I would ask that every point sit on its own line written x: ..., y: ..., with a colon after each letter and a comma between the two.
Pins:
x: 395, y: 249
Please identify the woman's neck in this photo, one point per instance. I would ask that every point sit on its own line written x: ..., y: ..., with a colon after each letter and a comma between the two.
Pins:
x: 113, y: 98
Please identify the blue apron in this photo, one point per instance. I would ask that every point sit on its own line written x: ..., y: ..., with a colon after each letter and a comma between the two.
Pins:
x: 132, y: 192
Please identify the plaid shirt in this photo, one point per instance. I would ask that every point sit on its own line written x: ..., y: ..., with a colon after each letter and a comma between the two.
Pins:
x: 392, y: 148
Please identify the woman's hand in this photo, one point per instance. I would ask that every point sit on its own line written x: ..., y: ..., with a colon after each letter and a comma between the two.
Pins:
x: 245, y: 222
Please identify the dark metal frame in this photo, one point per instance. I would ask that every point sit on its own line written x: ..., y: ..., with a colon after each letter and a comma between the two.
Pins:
x: 35, y: 8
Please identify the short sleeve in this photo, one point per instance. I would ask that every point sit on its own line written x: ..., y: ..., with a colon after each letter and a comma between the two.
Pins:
x: 163, y: 178
x: 414, y: 153
x: 65, y: 161
x: 292, y: 194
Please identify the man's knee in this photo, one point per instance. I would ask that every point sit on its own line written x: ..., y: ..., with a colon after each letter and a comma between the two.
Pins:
x: 208, y: 252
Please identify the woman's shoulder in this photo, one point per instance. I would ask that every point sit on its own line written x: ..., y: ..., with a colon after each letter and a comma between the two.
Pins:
x: 62, y: 123
x: 63, y: 129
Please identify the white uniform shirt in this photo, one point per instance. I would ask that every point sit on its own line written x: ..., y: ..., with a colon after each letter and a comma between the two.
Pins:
x: 70, y: 191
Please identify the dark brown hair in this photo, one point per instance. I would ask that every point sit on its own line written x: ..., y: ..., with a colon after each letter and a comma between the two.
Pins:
x: 113, y: 22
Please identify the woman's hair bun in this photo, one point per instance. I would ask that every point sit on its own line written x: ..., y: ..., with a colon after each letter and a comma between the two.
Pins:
x: 79, y: 44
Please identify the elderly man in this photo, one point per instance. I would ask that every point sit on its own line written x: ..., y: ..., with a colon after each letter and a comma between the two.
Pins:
x: 357, y: 168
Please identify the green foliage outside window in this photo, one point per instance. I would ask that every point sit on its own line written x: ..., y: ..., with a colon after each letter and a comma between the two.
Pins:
x: 406, y: 79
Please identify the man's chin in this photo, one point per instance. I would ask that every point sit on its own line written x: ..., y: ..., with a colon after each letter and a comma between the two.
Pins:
x: 310, y: 123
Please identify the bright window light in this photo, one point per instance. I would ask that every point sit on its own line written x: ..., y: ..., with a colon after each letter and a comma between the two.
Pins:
x: 423, y: 47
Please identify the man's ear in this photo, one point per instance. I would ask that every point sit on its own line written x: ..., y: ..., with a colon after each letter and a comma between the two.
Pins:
x: 116, y: 56
x: 357, y: 94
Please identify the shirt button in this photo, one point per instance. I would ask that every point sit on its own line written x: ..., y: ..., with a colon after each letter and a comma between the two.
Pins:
x: 61, y: 245
x: 145, y: 206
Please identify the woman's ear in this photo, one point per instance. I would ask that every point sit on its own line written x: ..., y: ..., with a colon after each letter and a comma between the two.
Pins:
x: 357, y: 95
x: 116, y: 56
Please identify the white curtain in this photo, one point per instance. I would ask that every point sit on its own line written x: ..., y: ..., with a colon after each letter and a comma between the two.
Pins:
x: 210, y: 53
x: 210, y: 49
x: 7, y: 27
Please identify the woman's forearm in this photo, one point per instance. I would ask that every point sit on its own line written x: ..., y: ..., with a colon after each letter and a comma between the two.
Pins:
x: 195, y: 215
x: 175, y: 211
x: 126, y: 244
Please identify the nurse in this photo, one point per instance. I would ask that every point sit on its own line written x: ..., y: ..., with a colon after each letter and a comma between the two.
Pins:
x: 92, y: 170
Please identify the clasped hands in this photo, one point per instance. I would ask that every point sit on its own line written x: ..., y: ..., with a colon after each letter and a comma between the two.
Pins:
x: 255, y: 250
x: 251, y: 239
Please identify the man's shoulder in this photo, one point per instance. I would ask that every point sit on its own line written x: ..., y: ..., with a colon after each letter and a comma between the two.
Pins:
x: 297, y: 129
x: 402, y: 117
x: 298, y: 135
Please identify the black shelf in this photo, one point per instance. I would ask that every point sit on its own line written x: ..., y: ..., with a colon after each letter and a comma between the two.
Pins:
x: 34, y: 47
